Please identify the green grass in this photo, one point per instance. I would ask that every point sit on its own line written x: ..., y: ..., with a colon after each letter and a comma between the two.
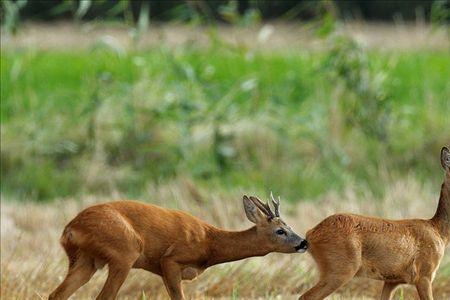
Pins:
x: 299, y: 124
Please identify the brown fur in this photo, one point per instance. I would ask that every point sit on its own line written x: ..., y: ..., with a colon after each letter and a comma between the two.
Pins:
x: 405, y: 251
x: 172, y: 244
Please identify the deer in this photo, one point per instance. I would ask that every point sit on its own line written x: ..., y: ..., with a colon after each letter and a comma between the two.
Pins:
x: 170, y: 243
x: 394, y: 251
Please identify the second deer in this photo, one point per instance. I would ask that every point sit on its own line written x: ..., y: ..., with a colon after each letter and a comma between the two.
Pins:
x: 406, y: 251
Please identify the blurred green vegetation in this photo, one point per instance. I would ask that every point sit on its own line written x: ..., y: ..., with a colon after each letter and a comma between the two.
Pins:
x: 219, y: 10
x: 235, y: 12
x: 300, y: 124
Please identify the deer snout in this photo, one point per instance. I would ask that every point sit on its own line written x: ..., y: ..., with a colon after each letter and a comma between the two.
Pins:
x: 300, y: 248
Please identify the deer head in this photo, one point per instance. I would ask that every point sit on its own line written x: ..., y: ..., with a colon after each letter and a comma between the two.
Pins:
x: 273, y: 231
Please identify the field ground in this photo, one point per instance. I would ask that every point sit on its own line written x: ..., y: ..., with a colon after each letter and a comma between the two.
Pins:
x: 33, y: 262
x: 276, y: 36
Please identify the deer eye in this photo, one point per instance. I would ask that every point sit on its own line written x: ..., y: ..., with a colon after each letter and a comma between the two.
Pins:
x: 280, y: 232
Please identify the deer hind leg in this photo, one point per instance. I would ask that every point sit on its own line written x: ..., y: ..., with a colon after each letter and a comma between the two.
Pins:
x: 172, y: 279
x: 332, y: 277
x: 80, y: 271
x: 118, y: 268
x: 116, y: 276
x: 388, y: 290
x: 424, y: 289
x: 327, y: 285
x: 337, y: 265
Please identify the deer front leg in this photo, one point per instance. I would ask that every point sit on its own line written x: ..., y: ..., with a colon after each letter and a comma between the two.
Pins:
x: 171, y: 273
x: 424, y: 289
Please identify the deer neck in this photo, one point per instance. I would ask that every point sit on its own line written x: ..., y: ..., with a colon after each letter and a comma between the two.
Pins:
x: 229, y: 246
x: 441, y: 218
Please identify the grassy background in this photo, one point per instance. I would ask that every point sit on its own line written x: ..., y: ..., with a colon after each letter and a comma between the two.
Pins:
x: 299, y: 123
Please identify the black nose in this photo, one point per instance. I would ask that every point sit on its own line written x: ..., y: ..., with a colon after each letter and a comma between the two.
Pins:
x: 303, y: 245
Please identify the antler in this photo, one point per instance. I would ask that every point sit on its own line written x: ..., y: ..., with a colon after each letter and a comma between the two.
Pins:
x: 276, y: 204
x: 264, y: 207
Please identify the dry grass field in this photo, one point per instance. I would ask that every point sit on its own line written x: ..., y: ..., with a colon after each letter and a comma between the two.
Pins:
x: 33, y: 263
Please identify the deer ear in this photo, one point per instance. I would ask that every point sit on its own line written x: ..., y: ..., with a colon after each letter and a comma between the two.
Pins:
x: 252, y: 211
x: 445, y: 158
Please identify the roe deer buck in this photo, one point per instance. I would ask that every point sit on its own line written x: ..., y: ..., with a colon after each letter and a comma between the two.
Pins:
x: 172, y: 244
x: 404, y: 251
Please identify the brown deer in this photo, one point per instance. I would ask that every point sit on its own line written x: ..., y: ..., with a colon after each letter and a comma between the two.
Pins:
x: 170, y: 243
x: 405, y: 251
